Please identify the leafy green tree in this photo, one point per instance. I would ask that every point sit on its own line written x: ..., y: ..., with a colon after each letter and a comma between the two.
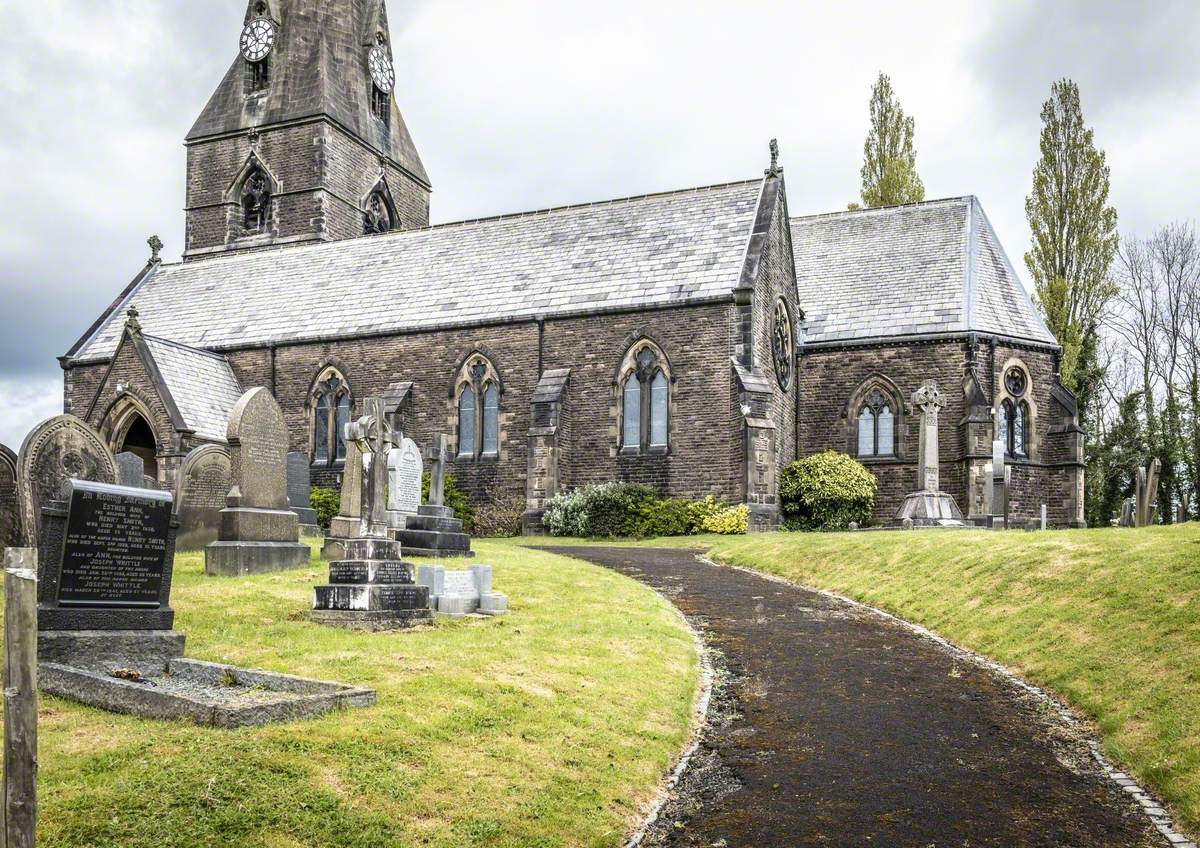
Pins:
x: 1074, y: 238
x: 1112, y: 462
x: 889, y: 171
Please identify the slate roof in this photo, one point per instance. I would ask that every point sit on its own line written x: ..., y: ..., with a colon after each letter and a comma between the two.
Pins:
x: 925, y: 268
x: 318, y: 67
x: 201, y: 383
x: 683, y: 246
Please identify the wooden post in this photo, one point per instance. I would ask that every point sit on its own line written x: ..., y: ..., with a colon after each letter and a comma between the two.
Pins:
x: 20, y: 697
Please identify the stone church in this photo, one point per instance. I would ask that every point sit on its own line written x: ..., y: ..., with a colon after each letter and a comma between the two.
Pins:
x: 695, y: 340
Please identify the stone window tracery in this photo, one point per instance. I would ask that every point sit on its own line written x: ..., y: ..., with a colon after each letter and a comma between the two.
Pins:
x: 645, y: 391
x: 378, y: 217
x: 876, y: 426
x: 330, y: 403
x: 478, y: 389
x: 783, y: 345
x: 1013, y: 418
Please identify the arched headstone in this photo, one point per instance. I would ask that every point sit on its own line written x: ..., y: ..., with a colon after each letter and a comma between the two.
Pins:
x: 59, y: 449
x: 10, y: 515
x: 200, y: 490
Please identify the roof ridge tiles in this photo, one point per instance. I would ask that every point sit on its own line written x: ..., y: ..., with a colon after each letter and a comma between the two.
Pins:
x: 965, y: 198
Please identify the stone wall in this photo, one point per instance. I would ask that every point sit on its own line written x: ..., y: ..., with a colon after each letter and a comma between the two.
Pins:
x: 323, y: 174
x: 830, y: 377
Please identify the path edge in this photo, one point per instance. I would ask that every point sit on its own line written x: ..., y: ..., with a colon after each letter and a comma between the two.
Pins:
x: 1150, y: 806
x: 701, y: 720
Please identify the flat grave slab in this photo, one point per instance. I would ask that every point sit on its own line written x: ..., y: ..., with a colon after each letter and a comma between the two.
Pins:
x: 206, y: 693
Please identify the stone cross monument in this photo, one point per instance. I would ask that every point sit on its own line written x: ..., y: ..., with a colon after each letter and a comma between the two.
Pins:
x: 928, y: 399
x: 436, y: 454
x: 929, y: 506
x: 373, y: 435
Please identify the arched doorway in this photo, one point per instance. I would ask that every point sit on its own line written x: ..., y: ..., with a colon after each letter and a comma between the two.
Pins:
x: 139, y: 439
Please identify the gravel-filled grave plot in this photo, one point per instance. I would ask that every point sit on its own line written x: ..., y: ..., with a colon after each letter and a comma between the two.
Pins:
x: 205, y: 693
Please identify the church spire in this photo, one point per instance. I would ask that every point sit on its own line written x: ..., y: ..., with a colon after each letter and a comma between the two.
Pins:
x: 313, y: 80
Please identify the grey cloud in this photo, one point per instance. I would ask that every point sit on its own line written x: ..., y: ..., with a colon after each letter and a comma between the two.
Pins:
x: 1115, y: 50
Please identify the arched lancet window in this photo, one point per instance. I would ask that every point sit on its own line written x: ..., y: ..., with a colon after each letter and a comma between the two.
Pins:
x: 330, y: 403
x: 478, y: 390
x: 645, y: 386
x: 379, y: 216
x: 256, y: 202
x: 876, y: 426
x: 1013, y: 420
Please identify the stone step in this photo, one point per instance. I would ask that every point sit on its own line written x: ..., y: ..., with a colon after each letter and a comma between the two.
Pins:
x: 424, y: 522
x: 357, y: 571
x: 433, y: 539
x: 372, y: 621
x: 371, y: 597
x: 436, y: 553
x: 371, y: 548
x: 432, y: 511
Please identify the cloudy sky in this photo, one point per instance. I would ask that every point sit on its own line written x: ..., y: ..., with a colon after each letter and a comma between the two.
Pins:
x: 518, y: 104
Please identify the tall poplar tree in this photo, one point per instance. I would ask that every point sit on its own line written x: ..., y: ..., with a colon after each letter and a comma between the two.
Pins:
x: 1075, y: 239
x: 889, y: 171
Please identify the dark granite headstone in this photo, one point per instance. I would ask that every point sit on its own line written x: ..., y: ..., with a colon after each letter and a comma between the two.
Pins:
x: 59, y: 449
x: 131, y: 470
x: 10, y: 514
x: 107, y: 559
x: 299, y: 489
x: 200, y: 491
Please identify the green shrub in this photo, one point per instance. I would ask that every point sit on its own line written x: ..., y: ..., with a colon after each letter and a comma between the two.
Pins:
x: 453, y: 497
x: 630, y: 510
x: 327, y: 503
x: 826, y: 491
x: 728, y: 521
x: 501, y: 515
x: 669, y: 517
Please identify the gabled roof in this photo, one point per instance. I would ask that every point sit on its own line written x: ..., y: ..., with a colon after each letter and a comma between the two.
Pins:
x: 925, y: 268
x: 201, y: 383
x: 655, y: 250
x: 318, y: 67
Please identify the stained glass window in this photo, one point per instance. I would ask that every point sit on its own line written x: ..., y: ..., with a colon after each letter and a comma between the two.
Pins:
x: 491, y: 419
x: 659, y: 391
x: 466, y: 421
x: 632, y: 431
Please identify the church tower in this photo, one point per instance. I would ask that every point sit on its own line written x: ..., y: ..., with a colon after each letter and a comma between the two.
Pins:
x: 303, y: 141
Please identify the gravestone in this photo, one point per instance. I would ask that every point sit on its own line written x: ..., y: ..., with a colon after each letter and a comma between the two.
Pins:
x: 345, y: 525
x: 405, y: 470
x: 104, y: 578
x: 1001, y: 475
x: 929, y: 506
x: 434, y: 532
x: 10, y: 515
x: 458, y: 593
x: 1128, y: 513
x: 200, y: 490
x: 257, y: 532
x: 1146, y: 494
x: 57, y: 450
x: 299, y: 488
x: 370, y: 587
x: 131, y: 470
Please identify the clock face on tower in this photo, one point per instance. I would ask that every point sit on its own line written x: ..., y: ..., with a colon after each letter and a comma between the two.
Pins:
x: 382, y: 71
x: 257, y: 39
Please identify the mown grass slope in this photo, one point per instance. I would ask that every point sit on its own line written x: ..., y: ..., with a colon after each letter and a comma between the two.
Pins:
x: 548, y: 727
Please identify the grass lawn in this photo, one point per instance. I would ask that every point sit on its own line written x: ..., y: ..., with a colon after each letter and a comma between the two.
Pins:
x: 1107, y: 619
x: 552, y: 726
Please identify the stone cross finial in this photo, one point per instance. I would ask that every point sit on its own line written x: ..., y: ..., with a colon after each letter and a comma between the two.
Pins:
x: 156, y: 247
x: 774, y: 147
x: 929, y: 400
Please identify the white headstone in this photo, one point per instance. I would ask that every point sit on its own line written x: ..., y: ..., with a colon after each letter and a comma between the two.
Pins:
x: 404, y: 477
